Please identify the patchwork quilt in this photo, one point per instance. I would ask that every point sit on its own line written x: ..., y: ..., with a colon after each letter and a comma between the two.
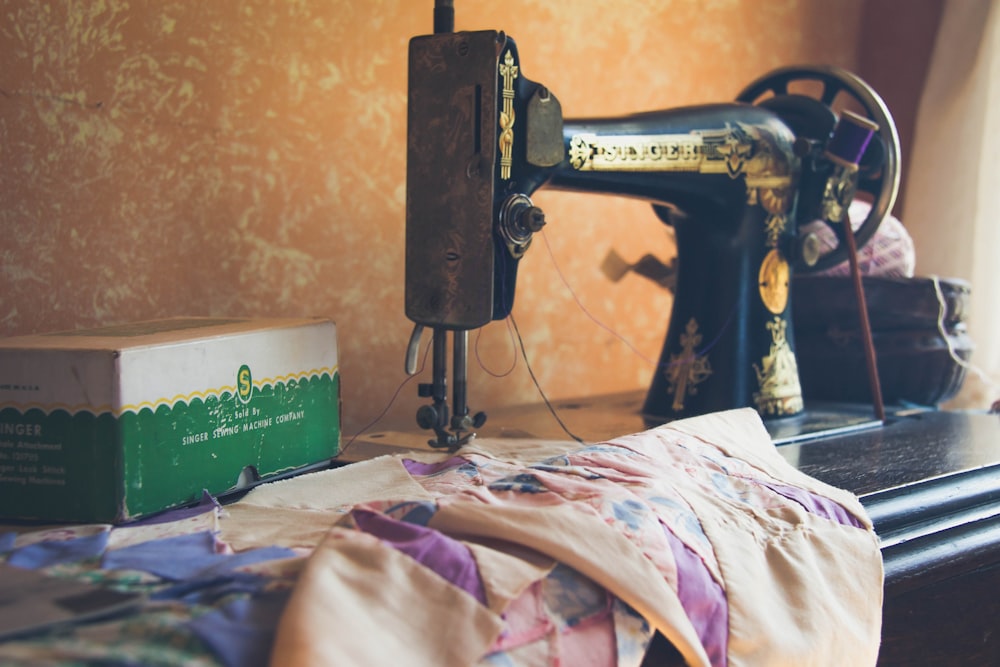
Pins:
x: 507, y: 552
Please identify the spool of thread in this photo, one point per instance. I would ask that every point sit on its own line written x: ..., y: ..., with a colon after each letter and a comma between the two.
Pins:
x: 850, y: 139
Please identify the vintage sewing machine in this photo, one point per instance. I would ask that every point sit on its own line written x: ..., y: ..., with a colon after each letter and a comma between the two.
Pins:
x: 736, y: 181
x: 740, y: 183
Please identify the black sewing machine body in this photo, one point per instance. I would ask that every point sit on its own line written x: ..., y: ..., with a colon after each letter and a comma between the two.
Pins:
x: 723, y: 177
x: 728, y: 177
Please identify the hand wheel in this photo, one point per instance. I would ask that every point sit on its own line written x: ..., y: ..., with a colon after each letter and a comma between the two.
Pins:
x: 808, y: 100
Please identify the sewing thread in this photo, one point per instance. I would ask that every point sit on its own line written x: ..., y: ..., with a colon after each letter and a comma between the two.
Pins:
x: 482, y: 364
x: 392, y: 400
x: 660, y: 367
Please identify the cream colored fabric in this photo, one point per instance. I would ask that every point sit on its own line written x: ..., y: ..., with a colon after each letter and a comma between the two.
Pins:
x: 298, y: 512
x: 801, y: 589
x: 953, y: 187
x: 378, y: 479
x: 773, y: 561
x: 358, y: 604
x: 506, y: 571
x: 767, y: 572
x: 741, y: 434
x: 246, y: 526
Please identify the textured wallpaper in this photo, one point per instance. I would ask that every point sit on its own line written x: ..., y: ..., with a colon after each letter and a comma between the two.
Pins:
x: 163, y: 158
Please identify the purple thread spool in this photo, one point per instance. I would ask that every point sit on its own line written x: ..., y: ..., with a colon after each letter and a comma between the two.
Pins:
x: 850, y: 139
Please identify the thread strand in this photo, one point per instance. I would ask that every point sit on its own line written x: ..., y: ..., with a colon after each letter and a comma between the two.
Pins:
x: 538, y: 386
x: 392, y: 400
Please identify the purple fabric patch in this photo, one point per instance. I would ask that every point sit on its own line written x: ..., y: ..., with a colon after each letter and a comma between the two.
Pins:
x: 817, y: 505
x: 418, y: 468
x: 703, y: 600
x: 207, y: 590
x: 186, y: 557
x: 242, y: 632
x: 447, y: 557
x: 7, y: 542
x: 206, y: 504
x: 57, y: 552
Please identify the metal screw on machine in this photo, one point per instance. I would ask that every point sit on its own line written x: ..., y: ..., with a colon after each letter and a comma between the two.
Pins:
x: 427, y: 416
x: 532, y: 218
x: 465, y: 422
x: 519, y: 220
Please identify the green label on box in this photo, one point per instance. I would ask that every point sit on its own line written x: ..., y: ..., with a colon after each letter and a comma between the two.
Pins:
x: 83, y: 467
x: 267, y: 429
x: 58, y: 466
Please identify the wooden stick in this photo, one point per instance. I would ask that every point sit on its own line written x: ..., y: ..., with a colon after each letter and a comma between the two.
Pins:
x: 866, y: 330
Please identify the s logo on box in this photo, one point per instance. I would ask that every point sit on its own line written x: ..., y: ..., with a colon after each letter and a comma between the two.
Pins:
x: 244, y: 384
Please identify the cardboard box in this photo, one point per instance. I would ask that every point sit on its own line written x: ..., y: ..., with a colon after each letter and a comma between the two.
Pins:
x: 111, y: 424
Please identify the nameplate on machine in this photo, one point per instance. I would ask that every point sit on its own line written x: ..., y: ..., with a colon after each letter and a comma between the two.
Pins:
x: 680, y: 152
x: 730, y: 150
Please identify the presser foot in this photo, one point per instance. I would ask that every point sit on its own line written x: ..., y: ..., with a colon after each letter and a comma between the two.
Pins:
x: 435, y: 417
x: 451, y: 441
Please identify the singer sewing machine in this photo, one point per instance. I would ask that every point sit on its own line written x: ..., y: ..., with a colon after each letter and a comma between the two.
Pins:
x: 736, y: 181
x: 741, y: 184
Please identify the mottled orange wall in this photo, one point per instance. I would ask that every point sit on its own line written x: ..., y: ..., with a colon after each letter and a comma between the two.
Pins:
x: 247, y: 158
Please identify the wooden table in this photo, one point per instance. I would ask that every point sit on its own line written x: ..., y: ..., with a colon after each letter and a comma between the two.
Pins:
x: 930, y: 481
x: 931, y: 484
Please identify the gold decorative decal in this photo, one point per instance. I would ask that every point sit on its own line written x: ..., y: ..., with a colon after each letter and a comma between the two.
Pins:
x: 737, y: 150
x: 509, y: 71
x: 774, y: 227
x: 778, y: 376
x: 687, y: 369
x: 775, y: 201
x: 773, y: 282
